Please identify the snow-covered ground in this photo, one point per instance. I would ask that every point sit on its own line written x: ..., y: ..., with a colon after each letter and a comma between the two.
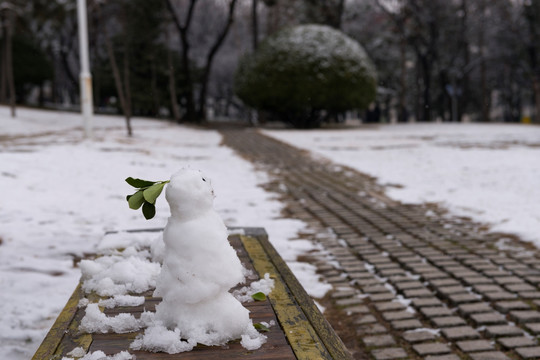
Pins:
x: 489, y: 172
x: 60, y: 193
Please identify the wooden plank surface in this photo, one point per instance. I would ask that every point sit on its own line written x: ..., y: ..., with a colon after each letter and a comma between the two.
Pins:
x: 293, y: 337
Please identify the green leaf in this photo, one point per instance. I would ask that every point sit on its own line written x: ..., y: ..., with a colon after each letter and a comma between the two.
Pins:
x: 152, y: 193
x: 136, y: 200
x: 148, y: 210
x: 261, y: 327
x: 139, y: 183
x: 259, y: 296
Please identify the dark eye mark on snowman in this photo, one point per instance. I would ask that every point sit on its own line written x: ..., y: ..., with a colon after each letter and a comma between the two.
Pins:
x: 203, y: 179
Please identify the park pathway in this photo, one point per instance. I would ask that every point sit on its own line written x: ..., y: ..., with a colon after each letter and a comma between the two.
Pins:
x: 408, y: 282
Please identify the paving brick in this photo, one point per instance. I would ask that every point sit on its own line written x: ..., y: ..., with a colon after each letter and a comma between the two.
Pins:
x: 406, y: 324
x: 371, y: 329
x: 418, y: 336
x: 379, y: 340
x: 382, y: 296
x: 467, y: 309
x: 349, y: 301
x: 503, y: 330
x: 500, y: 295
x: 529, y: 352
x: 444, y: 282
x: 408, y: 285
x: 450, y: 290
x: 463, y: 298
x: 375, y: 289
x: 443, y: 357
x: 487, y: 288
x: 366, y: 319
x: 391, y: 272
x: 343, y: 294
x: 431, y: 349
x: 448, y: 321
x: 496, y: 273
x: 397, y: 315
x: 436, y: 311
x: 366, y: 282
x: 389, y: 305
x: 412, y: 293
x: 506, y: 306
x: 525, y: 316
x: 514, y: 342
x: 360, y: 309
x: 477, y: 280
x: 361, y: 275
x: 474, y: 345
x: 389, y: 354
x: 489, y: 355
x: 519, y: 287
x: 434, y: 275
x: 491, y: 318
x: 529, y: 294
x: 460, y: 333
x: 422, y: 302
x: 533, y: 328
x: 508, y: 280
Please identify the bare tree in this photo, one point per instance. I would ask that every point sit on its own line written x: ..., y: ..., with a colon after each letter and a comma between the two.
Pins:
x: 531, y: 11
x: 7, y: 10
x: 122, y: 84
x: 195, y: 111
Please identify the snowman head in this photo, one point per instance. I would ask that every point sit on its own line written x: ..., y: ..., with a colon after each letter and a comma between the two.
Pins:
x: 189, y: 193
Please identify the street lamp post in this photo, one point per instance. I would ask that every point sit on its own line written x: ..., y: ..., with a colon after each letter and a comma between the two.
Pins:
x: 85, y: 77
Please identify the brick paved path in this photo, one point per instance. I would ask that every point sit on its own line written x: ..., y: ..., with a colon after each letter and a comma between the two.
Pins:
x: 407, y: 285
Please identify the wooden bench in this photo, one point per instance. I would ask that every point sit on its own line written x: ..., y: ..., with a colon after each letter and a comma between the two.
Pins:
x: 301, y: 332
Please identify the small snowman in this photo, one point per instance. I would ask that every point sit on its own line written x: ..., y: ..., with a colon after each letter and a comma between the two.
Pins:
x: 199, y: 269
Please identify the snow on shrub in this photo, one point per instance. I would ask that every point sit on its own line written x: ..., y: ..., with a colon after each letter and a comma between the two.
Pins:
x: 305, y: 74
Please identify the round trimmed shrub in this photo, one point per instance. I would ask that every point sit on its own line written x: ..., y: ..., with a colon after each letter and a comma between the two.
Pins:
x: 306, y: 74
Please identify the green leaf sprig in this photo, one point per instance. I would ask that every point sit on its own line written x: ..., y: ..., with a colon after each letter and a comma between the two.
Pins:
x: 259, y: 296
x: 145, y: 196
x: 261, y: 327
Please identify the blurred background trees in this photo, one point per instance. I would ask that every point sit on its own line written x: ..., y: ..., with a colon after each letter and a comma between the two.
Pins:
x: 446, y: 60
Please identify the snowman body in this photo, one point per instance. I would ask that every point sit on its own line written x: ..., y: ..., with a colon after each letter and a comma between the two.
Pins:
x: 199, y: 267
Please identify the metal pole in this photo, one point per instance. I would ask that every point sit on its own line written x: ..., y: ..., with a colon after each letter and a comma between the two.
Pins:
x: 85, y: 77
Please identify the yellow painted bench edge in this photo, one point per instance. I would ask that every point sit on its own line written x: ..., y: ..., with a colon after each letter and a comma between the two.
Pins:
x: 265, y: 252
x: 50, y: 344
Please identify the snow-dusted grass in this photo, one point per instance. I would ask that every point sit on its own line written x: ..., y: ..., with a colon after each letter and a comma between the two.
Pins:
x: 61, y: 193
x: 489, y: 172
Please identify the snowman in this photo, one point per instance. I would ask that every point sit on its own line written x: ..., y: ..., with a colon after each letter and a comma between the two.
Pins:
x: 199, y: 269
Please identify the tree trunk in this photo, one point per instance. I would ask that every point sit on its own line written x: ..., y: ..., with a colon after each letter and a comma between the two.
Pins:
x: 3, y: 86
x: 9, y: 61
x: 426, y: 91
x: 254, y: 24
x: 127, y: 86
x: 465, y: 87
x: 485, y: 97
x: 201, y: 111
x: 536, y: 88
x: 172, y: 88
x: 187, y: 89
x: 118, y: 82
x: 402, y: 113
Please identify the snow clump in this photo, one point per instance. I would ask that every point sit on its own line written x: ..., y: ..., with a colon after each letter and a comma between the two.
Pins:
x: 264, y: 286
x: 100, y: 355
x: 118, y: 275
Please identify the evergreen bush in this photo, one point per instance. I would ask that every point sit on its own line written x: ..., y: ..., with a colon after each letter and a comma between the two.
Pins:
x: 305, y: 75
